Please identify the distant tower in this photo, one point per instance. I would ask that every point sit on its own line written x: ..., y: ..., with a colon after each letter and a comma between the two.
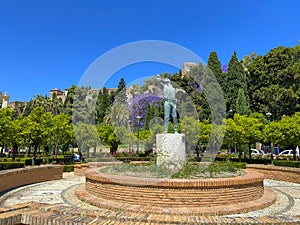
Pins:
x: 4, y: 100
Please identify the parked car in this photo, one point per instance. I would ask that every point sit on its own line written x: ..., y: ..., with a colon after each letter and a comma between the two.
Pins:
x: 76, y: 158
x: 255, y: 152
x: 289, y: 152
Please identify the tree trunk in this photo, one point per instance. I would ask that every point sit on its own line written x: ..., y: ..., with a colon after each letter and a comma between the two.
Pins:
x: 29, y: 151
x: 15, y: 151
x: 95, y: 151
x: 34, y: 154
x: 88, y: 152
x: 250, y: 157
x: 56, y: 150
x: 240, y: 154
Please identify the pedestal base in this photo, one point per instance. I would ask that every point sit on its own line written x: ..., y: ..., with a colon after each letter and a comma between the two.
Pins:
x: 170, y: 150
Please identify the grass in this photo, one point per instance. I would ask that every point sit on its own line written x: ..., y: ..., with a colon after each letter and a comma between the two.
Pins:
x: 188, y: 171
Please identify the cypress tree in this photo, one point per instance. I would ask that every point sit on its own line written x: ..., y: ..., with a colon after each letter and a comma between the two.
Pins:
x: 102, y: 105
x: 215, y: 67
x: 235, y: 80
x: 121, y: 92
x: 242, y: 105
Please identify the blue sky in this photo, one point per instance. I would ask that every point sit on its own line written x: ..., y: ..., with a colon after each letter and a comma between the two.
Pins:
x: 48, y: 44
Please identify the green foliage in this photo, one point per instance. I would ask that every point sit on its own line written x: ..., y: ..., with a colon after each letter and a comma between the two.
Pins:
x: 5, y: 126
x: 284, y: 133
x: 121, y: 92
x: 102, y: 105
x: 86, y: 136
x: 190, y: 128
x: 235, y: 80
x: 274, y: 82
x: 11, y: 165
x: 287, y: 163
x: 190, y: 170
x: 68, y: 168
x: 215, y: 66
x: 108, y: 137
x: 215, y: 169
x: 242, y: 105
x: 83, y: 107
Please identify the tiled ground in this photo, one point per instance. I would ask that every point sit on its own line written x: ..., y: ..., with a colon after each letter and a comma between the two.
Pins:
x: 67, y: 209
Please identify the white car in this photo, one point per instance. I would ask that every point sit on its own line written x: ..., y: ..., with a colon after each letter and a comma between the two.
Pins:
x: 255, y: 152
x: 289, y: 152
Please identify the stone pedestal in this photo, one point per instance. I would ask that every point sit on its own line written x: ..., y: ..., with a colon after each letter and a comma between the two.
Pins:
x: 170, y: 150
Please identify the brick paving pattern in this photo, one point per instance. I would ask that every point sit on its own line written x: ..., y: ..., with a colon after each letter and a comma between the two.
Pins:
x: 56, y: 203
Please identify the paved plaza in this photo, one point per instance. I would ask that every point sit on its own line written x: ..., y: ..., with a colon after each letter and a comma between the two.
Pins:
x: 287, y: 205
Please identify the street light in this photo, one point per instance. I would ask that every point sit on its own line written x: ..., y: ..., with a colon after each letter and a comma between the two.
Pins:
x: 230, y: 113
x: 129, y: 125
x: 138, y: 143
x: 70, y: 148
x: 268, y: 114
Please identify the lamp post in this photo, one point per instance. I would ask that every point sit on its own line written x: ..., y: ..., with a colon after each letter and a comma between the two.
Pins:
x: 235, y: 147
x: 138, y: 143
x: 268, y: 114
x: 70, y: 148
x: 230, y: 113
x: 129, y: 123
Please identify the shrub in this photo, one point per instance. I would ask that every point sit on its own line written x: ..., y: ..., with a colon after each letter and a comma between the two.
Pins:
x: 287, y: 163
x: 133, y: 158
x: 11, y: 165
x: 68, y: 168
x: 28, y: 161
x: 239, y: 165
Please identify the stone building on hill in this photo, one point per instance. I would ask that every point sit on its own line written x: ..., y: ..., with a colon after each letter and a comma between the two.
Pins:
x: 4, y: 100
x: 187, y: 66
x: 59, y: 94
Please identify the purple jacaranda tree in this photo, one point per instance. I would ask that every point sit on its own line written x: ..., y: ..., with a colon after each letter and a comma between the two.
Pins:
x: 225, y: 68
x: 138, y: 106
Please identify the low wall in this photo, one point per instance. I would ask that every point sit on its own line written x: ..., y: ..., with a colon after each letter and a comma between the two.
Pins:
x: 18, y: 177
x: 175, y: 192
x: 278, y: 172
x: 79, y: 169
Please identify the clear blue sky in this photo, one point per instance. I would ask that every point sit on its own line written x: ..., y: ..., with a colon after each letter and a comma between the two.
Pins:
x: 50, y: 43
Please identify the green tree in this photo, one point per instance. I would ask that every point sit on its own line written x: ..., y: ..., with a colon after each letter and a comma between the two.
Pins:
x: 274, y: 82
x: 108, y: 137
x: 252, y: 130
x: 102, y: 105
x: 120, y: 95
x: 83, y: 108
x: 190, y: 128
x: 35, y: 128
x: 61, y: 131
x: 242, y: 106
x: 235, y: 133
x: 235, y: 80
x: 215, y: 66
x: 5, y: 127
x: 86, y: 137
x: 68, y: 103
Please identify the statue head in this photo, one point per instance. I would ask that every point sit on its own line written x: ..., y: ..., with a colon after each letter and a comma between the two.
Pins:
x: 166, y: 81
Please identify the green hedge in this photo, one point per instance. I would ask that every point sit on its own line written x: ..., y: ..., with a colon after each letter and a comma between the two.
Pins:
x: 226, y: 157
x: 287, y: 163
x: 68, y: 168
x: 11, y: 165
x: 240, y: 165
x: 133, y: 158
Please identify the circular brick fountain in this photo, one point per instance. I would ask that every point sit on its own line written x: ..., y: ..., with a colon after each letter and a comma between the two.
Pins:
x: 213, y: 196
